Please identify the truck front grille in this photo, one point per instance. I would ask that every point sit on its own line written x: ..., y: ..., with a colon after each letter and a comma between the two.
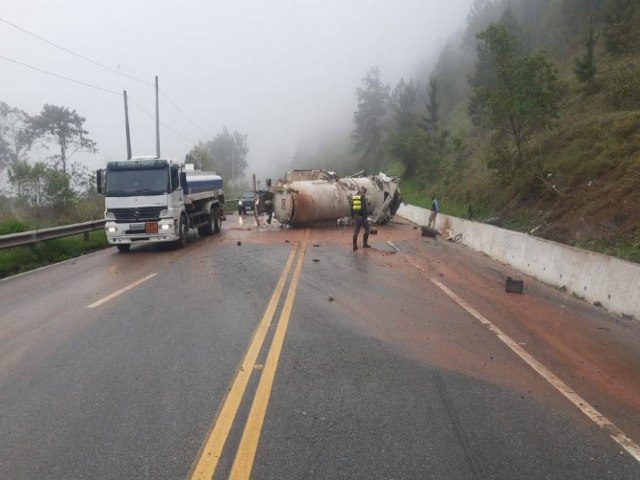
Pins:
x: 132, y: 215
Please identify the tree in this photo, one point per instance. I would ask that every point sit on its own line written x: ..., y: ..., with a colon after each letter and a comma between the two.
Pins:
x: 225, y: 154
x: 524, y: 96
x: 431, y: 121
x: 369, y: 119
x: 15, y: 136
x: 585, y: 65
x: 620, y: 19
x: 40, y: 185
x: 64, y: 127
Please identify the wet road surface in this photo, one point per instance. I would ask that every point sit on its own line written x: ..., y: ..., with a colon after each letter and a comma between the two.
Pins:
x: 274, y: 354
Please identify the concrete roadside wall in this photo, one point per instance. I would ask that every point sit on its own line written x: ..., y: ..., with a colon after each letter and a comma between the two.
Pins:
x: 595, y: 277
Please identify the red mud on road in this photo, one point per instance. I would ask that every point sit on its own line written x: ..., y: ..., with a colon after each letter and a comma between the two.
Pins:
x: 593, y: 351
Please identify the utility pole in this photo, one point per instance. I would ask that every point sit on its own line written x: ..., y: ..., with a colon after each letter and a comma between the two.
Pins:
x: 157, y: 122
x: 126, y: 125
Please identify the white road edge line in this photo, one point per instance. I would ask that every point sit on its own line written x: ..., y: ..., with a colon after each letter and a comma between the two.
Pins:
x: 603, y: 422
x: 598, y: 418
x: 121, y: 291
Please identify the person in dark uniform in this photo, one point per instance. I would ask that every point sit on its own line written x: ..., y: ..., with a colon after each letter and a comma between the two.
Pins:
x: 360, y: 212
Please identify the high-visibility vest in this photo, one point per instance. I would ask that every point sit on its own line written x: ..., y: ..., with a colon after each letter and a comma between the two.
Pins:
x: 356, y: 205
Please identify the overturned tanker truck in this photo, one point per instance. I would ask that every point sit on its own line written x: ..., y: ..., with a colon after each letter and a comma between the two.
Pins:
x: 317, y: 197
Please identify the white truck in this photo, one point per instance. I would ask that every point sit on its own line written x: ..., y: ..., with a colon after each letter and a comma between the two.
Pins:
x: 149, y: 200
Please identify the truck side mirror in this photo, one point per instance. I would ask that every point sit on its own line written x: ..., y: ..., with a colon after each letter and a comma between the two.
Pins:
x: 183, y: 182
x: 99, y: 180
x: 175, y: 178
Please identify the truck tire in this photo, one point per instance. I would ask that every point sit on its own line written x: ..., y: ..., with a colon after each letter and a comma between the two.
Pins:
x: 216, y: 219
x: 182, y: 231
x: 124, y: 248
x: 209, y: 228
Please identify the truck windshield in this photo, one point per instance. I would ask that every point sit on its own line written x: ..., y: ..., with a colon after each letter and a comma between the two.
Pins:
x: 128, y: 183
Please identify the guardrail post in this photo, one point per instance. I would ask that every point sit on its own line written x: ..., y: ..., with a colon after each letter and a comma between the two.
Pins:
x: 86, y: 236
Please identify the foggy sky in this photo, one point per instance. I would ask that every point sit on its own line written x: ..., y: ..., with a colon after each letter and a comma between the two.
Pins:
x: 276, y: 70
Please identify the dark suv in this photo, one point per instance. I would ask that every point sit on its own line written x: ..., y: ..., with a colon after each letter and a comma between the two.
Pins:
x: 246, y: 202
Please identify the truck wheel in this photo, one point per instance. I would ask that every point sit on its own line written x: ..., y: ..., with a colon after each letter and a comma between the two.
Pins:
x: 209, y: 228
x: 183, y: 228
x: 215, y: 212
x: 124, y: 248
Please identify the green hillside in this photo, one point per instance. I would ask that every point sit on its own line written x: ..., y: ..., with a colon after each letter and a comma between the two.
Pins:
x: 532, y: 114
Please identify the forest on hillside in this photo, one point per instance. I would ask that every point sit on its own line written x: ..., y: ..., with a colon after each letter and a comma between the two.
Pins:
x: 532, y: 113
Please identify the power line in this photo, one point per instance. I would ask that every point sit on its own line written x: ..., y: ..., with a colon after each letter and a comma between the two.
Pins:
x: 106, y: 90
x: 161, y: 123
x: 183, y: 114
x: 113, y: 70
x: 57, y: 75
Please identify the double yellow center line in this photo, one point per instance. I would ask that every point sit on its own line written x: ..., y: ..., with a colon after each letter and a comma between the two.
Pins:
x: 205, y: 465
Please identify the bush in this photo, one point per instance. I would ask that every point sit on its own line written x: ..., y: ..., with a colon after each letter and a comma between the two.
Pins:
x: 13, y: 226
x: 623, y: 87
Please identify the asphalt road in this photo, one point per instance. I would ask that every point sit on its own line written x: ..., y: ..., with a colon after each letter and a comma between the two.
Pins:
x: 281, y: 354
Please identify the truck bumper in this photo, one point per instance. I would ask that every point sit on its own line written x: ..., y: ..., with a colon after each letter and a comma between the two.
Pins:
x: 129, y: 233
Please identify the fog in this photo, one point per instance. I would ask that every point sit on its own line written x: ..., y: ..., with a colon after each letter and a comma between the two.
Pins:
x: 278, y: 71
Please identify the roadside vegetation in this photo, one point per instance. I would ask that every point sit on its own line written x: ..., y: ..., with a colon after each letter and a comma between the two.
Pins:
x: 532, y: 114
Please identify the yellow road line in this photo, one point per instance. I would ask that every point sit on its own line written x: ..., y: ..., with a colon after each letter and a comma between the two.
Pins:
x: 207, y: 461
x: 245, y: 456
x: 121, y: 291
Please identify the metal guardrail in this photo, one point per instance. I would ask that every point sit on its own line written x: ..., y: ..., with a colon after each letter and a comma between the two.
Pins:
x: 34, y: 236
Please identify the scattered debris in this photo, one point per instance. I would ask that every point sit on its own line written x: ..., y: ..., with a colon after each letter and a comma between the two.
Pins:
x: 239, y: 243
x: 514, y: 286
x: 331, y: 299
x: 604, y: 328
x: 415, y: 227
x: 316, y: 260
x: 451, y: 237
x: 428, y: 232
x: 563, y: 288
x: 597, y: 304
x: 316, y: 244
x: 287, y: 241
x: 373, y: 231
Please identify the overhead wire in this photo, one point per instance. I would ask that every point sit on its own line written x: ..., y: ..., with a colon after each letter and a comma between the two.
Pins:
x: 161, y: 123
x: 57, y: 75
x: 113, y: 70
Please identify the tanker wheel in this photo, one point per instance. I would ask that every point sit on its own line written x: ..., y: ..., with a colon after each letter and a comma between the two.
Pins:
x: 209, y: 228
x: 183, y: 228
x: 215, y: 212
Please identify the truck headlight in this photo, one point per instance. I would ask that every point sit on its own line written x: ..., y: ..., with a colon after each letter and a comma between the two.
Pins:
x: 112, y: 229
x: 239, y: 202
x: 165, y: 226
x: 110, y: 216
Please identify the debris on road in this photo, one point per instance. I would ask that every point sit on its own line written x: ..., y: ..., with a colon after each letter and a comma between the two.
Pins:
x: 373, y: 231
x: 316, y: 260
x: 514, y: 286
x: 239, y: 243
x: 428, y: 232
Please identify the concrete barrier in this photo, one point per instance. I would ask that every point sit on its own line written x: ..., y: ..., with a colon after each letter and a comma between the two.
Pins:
x: 597, y: 278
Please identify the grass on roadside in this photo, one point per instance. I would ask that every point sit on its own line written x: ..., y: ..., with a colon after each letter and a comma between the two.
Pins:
x: 21, y: 259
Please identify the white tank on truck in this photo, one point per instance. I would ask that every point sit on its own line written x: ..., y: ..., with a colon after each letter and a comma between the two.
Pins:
x: 150, y: 200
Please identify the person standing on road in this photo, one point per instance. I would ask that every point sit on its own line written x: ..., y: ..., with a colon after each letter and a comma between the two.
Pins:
x: 360, y: 212
x: 435, y: 208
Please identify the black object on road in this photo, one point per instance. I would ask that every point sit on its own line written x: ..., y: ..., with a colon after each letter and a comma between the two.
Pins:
x: 514, y: 286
